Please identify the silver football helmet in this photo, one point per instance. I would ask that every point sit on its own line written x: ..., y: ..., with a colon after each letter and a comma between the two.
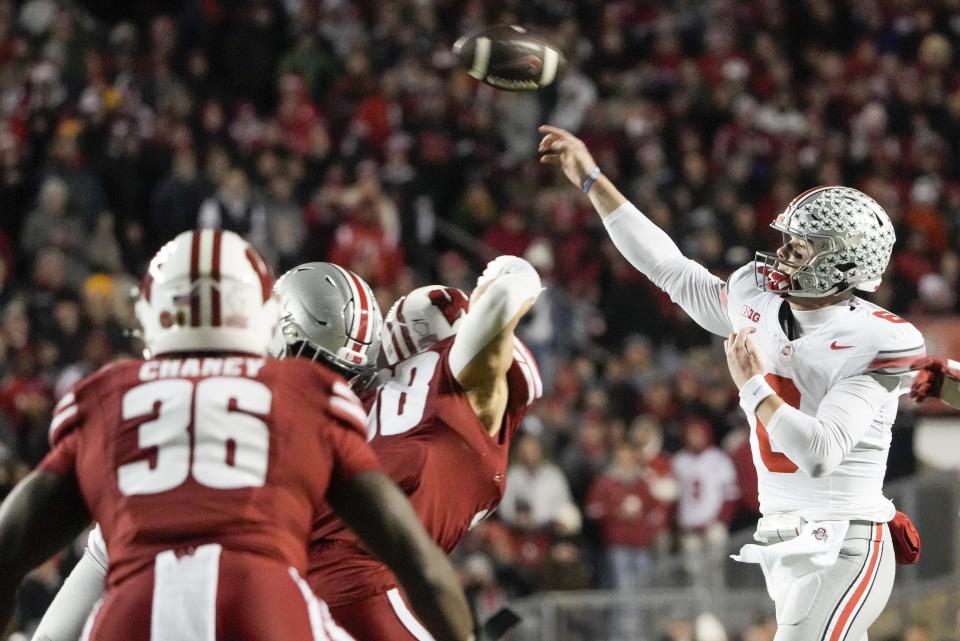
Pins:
x: 329, y: 313
x: 851, y: 238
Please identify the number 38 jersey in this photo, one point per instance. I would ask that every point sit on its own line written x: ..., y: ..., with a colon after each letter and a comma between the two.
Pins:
x: 432, y: 444
x: 841, y: 341
x: 172, y: 453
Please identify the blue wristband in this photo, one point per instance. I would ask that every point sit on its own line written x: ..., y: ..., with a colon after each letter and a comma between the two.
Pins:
x: 588, y: 183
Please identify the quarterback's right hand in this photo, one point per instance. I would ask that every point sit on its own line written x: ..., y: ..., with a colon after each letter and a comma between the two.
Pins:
x: 560, y: 147
x: 931, y: 373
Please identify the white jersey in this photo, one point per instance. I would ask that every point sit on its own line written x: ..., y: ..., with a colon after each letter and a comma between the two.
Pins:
x: 844, y: 376
x: 707, y: 480
x: 837, y: 343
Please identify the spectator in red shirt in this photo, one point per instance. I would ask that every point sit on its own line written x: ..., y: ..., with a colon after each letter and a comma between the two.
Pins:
x: 630, y: 519
x: 26, y: 400
x: 509, y: 234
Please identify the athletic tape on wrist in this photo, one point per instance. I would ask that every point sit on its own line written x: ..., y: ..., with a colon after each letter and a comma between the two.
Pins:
x: 753, y: 392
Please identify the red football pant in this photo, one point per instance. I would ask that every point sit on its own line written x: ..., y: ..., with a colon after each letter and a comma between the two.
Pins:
x: 213, y: 595
x: 383, y: 617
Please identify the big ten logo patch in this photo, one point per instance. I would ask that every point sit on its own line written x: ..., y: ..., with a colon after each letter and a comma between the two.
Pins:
x: 750, y: 314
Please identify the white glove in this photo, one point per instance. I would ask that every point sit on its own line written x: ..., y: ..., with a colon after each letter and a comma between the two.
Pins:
x: 505, y: 265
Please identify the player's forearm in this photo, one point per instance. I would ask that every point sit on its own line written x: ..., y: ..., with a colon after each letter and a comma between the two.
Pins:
x: 64, y: 619
x: 814, y: 446
x: 26, y: 538
x: 950, y: 392
x: 604, y: 196
x: 484, y: 342
x: 437, y: 598
x: 653, y: 253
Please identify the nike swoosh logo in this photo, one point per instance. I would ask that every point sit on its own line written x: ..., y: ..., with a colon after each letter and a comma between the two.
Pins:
x: 834, y: 345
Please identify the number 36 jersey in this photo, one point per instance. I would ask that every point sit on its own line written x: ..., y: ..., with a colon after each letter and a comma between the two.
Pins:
x: 432, y: 444
x: 851, y: 339
x: 172, y: 453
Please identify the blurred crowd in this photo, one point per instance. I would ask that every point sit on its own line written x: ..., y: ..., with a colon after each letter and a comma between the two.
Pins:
x: 343, y: 130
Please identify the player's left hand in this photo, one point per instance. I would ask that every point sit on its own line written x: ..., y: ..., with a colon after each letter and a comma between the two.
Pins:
x: 743, y: 359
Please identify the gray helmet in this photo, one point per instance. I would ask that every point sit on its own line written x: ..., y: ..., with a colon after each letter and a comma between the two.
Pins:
x: 851, y: 237
x: 328, y: 312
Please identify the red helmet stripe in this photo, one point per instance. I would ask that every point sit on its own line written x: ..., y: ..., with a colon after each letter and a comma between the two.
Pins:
x: 363, y: 305
x: 403, y: 328
x: 215, y: 275
x: 266, y: 278
x: 360, y: 325
x: 194, y: 277
x: 392, y: 330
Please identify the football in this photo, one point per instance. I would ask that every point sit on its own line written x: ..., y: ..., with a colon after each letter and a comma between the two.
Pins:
x: 509, y: 57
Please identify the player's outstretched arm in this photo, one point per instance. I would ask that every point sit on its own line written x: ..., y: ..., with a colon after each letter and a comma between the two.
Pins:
x: 648, y: 248
x: 66, y: 616
x: 936, y: 377
x: 381, y: 515
x: 42, y: 514
x: 482, y: 351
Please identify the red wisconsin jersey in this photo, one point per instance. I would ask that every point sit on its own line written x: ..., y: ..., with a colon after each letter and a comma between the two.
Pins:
x: 431, y: 443
x: 179, y: 452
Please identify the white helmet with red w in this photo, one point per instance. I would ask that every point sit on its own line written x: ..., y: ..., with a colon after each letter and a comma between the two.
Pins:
x: 207, y: 291
x: 420, y: 319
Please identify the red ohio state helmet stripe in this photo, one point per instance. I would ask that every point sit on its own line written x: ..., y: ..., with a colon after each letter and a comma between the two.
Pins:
x: 194, y: 276
x: 215, y: 275
x: 360, y: 325
x: 364, y: 307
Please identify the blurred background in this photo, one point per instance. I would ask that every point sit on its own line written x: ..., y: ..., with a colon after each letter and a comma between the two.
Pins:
x: 341, y: 130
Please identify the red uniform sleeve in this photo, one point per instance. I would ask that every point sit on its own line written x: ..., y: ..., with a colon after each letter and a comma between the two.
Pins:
x: 347, y: 433
x: 63, y: 436
x: 523, y: 378
x: 62, y: 457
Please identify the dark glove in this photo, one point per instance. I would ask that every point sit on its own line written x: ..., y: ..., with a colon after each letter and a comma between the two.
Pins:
x: 929, y: 379
x: 906, y: 539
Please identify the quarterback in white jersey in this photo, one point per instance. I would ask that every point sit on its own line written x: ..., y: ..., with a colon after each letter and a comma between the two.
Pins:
x: 820, y: 372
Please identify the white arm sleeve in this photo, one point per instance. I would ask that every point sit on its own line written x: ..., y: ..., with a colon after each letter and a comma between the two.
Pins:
x: 517, y: 283
x: 818, y: 444
x: 64, y: 619
x: 950, y: 392
x: 654, y: 254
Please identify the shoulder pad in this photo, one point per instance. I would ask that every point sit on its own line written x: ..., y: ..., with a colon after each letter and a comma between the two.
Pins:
x: 897, y: 343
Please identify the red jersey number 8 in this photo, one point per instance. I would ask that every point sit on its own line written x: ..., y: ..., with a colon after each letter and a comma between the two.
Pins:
x: 231, y: 443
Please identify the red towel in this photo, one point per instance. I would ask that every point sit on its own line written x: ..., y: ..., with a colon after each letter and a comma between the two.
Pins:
x: 906, y: 539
